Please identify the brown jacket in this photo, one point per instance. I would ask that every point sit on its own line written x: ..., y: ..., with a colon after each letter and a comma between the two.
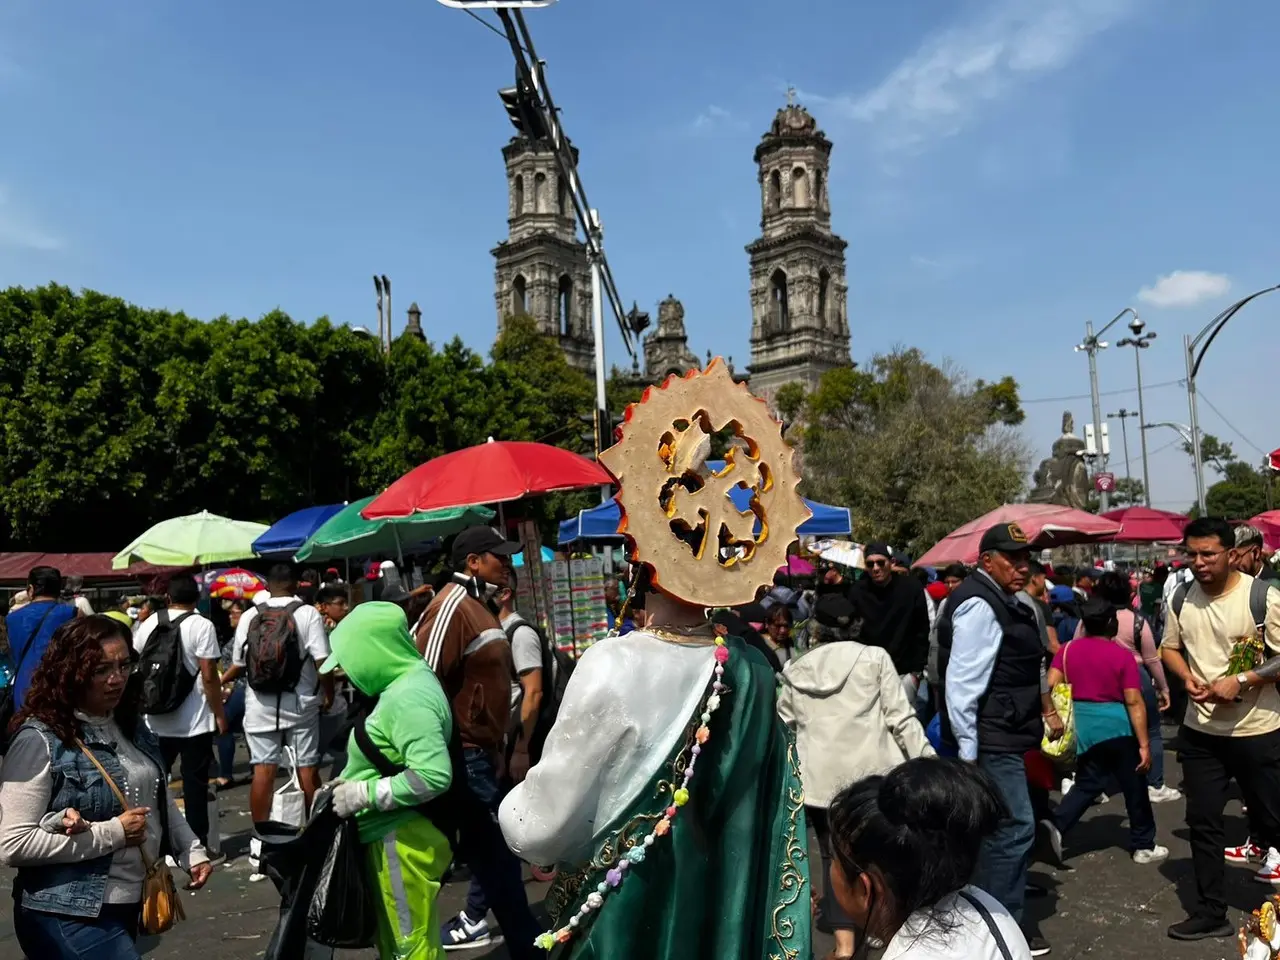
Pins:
x: 468, y: 650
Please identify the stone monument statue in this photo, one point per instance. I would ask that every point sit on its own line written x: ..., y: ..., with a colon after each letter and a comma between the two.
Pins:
x: 1063, y: 477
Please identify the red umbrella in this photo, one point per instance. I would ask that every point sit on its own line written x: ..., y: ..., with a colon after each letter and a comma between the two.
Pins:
x: 492, y: 472
x: 1269, y: 524
x: 1145, y: 525
x: 235, y: 584
x: 1045, y: 524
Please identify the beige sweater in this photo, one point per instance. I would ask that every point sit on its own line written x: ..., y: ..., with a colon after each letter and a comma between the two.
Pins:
x: 851, y: 717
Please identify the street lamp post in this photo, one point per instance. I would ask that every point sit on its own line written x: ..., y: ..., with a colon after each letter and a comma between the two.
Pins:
x: 1140, y: 341
x: 1194, y: 359
x: 1122, y: 416
x: 1091, y: 345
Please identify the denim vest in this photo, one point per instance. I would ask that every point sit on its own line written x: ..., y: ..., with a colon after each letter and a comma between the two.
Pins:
x: 77, y: 889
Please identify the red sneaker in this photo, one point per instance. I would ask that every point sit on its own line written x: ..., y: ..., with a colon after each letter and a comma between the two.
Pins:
x: 1247, y: 852
x: 1270, y: 871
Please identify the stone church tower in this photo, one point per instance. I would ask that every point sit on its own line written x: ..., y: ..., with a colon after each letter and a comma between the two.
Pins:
x: 799, y: 323
x: 666, y: 350
x: 542, y: 269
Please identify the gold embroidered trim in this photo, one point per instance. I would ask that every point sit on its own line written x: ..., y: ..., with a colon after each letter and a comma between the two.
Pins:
x: 792, y: 882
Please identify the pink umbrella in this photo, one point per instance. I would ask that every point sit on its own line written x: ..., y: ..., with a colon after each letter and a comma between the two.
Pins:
x: 797, y: 567
x: 1269, y: 524
x: 1045, y: 524
x: 1145, y: 525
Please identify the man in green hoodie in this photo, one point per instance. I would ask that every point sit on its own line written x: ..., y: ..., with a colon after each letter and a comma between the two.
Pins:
x: 410, y: 726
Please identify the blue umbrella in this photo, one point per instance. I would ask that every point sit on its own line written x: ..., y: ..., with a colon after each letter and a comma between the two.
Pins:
x: 285, y: 537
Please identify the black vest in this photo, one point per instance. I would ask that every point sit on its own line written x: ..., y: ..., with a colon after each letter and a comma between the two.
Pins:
x: 1009, y: 714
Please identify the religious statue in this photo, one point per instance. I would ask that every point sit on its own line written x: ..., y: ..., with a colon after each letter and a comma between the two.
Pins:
x: 1259, y: 938
x: 668, y: 792
x: 1063, y: 477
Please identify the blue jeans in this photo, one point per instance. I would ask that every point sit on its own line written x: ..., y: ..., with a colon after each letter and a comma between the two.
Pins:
x: 1006, y: 854
x: 497, y: 879
x: 1155, y: 739
x: 234, y: 708
x: 51, y: 936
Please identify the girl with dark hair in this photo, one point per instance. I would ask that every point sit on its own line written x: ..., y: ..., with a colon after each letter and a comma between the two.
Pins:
x: 81, y: 856
x: 905, y: 845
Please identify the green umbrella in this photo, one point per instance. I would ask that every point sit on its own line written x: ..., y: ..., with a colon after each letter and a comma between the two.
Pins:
x: 347, y: 534
x: 190, y: 541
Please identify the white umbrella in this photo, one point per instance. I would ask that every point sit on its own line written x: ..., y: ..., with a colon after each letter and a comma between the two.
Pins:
x: 844, y: 553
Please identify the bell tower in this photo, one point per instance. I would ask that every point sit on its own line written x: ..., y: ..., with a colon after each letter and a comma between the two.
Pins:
x: 799, y: 320
x: 541, y: 268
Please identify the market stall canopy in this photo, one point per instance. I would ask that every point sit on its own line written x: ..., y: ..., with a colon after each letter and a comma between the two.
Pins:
x: 1269, y: 524
x: 493, y: 472
x: 1145, y: 525
x: 797, y: 567
x: 235, y: 584
x: 348, y: 534
x: 601, y: 523
x: 93, y: 567
x: 287, y: 536
x: 193, y: 540
x: 548, y: 556
x: 1045, y: 524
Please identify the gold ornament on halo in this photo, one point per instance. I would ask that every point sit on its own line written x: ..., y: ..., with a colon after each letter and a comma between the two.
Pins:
x: 677, y: 511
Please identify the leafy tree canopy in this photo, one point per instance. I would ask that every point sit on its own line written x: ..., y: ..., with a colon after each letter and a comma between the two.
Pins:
x: 913, y: 449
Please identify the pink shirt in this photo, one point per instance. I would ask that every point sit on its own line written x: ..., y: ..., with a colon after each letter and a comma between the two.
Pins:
x: 1148, y: 654
x: 1099, y: 670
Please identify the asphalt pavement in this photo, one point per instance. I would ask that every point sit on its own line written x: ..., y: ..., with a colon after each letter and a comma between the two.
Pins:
x: 1107, y: 906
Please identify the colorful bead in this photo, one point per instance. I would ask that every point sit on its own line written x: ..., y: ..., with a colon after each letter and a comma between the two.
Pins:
x: 602, y: 887
x: 613, y: 877
x: 671, y: 812
x: 636, y: 854
x: 623, y: 864
x: 574, y: 921
x: 649, y: 840
x: 713, y: 702
x: 702, y: 736
x: 681, y: 797
x: 720, y: 640
x: 718, y: 687
x: 697, y: 748
x: 545, y: 941
x: 663, y: 827
x: 706, y: 718
x: 722, y: 654
x: 595, y: 901
x: 586, y: 907
x: 562, y: 936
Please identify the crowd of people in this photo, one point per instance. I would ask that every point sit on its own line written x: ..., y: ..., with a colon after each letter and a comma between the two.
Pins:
x: 919, y: 701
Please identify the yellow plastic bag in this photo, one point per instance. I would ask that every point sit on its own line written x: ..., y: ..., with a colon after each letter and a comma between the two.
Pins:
x: 1065, y: 745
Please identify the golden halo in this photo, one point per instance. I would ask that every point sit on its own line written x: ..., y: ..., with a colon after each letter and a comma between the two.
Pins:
x: 677, y: 511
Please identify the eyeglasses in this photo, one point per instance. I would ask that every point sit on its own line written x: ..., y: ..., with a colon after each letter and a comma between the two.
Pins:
x: 1202, y: 554
x: 105, y: 670
x: 877, y: 563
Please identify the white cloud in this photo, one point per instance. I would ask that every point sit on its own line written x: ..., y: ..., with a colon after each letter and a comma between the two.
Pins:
x: 715, y: 119
x: 937, y: 90
x: 16, y: 231
x: 1185, y: 288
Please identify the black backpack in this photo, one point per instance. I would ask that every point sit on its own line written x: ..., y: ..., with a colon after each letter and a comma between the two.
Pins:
x: 556, y: 668
x: 273, y: 654
x: 166, y: 681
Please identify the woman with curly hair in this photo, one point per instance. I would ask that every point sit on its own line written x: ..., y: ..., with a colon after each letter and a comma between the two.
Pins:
x: 79, y: 853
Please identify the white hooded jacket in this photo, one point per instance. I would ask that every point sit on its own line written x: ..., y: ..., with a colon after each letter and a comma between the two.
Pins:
x: 851, y: 717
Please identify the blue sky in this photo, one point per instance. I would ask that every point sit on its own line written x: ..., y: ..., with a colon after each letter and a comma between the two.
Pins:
x: 1004, y: 170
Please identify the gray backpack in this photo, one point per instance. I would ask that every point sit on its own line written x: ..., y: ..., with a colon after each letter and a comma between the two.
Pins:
x: 1258, y: 591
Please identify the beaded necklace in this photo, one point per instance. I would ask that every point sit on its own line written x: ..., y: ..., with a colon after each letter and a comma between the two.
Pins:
x: 616, y: 872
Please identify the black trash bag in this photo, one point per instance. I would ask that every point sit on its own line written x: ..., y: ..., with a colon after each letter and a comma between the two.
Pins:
x: 293, y: 859
x: 342, y: 911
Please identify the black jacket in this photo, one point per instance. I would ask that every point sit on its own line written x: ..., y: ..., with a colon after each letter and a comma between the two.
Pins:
x: 895, y: 617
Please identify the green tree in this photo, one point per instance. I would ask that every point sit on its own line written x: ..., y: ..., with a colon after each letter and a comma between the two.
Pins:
x: 789, y: 401
x: 913, y: 449
x: 1213, y: 451
x: 1243, y: 492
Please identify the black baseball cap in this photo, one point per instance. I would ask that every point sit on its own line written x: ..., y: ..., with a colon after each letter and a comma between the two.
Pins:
x: 1005, y: 538
x: 834, y: 610
x: 480, y: 540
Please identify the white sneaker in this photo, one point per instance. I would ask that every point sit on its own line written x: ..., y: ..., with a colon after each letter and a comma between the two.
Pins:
x: 1269, y: 872
x: 1165, y: 794
x: 1067, y: 784
x: 1154, y: 855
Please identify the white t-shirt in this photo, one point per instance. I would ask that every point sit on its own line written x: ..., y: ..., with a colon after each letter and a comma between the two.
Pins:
x: 962, y: 934
x: 302, y: 705
x: 199, y: 642
x: 83, y: 607
x: 526, y: 652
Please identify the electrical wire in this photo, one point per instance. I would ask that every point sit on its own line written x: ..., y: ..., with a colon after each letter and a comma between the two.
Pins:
x: 1105, y: 393
x: 489, y: 26
x: 1230, y: 425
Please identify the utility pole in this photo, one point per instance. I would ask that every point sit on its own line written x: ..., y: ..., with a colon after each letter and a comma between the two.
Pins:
x: 1140, y: 341
x: 382, y: 324
x: 1091, y: 345
x: 1122, y: 416
x: 386, y: 287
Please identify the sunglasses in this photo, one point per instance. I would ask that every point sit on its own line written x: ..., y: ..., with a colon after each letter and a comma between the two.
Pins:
x: 877, y: 563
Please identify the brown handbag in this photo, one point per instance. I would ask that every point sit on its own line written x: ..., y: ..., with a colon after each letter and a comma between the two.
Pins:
x: 161, y: 905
